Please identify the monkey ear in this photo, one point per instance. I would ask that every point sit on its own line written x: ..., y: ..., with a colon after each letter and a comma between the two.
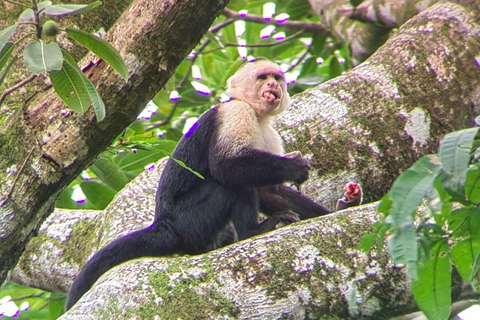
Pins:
x: 229, y: 89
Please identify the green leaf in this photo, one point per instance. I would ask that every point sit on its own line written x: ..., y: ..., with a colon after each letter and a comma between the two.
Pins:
x: 181, y: 163
x: 110, y: 174
x: 403, y: 249
x: 472, y: 184
x: 95, y: 98
x: 466, y: 252
x: 4, y: 72
x: 101, y: 48
x: 410, y: 188
x: 455, y: 156
x: 6, y: 53
x: 28, y: 14
x: 432, y: 289
x: 98, y: 194
x: 56, y: 306
x: 367, y: 242
x: 41, y: 58
x: 70, y: 87
x: 136, y: 163
x: 335, y: 68
x: 465, y: 257
x: 75, y: 89
x: 318, y: 44
x: 6, y: 34
x: 63, y: 10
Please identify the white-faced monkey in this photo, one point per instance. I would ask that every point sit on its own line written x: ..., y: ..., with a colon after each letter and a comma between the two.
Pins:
x: 242, y: 160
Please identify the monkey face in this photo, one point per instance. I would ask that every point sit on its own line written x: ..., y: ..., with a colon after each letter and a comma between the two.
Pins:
x: 262, y: 85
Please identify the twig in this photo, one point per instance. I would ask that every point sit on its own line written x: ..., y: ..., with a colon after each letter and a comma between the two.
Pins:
x: 299, y: 60
x: 25, y: 36
x: 221, y: 25
x: 259, y: 45
x: 19, y: 172
x: 29, y: 296
x: 17, y: 86
x: 289, y: 25
x: 17, y: 3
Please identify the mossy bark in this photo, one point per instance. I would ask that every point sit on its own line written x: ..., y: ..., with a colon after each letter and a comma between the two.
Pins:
x: 44, y: 145
x: 375, y: 121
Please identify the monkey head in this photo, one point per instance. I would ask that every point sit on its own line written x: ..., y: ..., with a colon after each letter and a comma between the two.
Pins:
x: 262, y: 85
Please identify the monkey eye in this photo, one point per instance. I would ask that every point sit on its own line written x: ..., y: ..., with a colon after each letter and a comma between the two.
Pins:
x: 262, y: 77
x: 277, y: 78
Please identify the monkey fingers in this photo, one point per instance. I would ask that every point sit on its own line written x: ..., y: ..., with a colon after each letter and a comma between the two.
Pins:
x: 288, y: 216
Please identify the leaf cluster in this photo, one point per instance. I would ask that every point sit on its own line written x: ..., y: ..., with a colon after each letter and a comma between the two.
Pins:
x: 47, y: 58
x: 446, y: 234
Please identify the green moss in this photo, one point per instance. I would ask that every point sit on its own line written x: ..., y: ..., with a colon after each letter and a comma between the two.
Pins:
x: 184, y: 298
x: 84, y: 232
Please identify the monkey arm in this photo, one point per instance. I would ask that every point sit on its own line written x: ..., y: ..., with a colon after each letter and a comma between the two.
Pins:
x: 256, y: 168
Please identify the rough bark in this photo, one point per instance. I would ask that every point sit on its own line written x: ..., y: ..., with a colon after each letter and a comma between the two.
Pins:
x: 366, y: 27
x: 44, y: 146
x: 375, y: 121
x: 309, y: 269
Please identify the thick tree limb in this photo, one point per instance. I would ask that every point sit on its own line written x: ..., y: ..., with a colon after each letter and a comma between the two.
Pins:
x: 366, y: 27
x: 147, y: 36
x: 375, y: 121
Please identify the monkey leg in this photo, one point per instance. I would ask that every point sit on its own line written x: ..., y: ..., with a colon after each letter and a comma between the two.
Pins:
x: 278, y: 198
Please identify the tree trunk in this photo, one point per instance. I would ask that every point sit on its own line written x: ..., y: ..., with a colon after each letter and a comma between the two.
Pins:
x: 367, y: 26
x: 44, y: 145
x: 375, y: 121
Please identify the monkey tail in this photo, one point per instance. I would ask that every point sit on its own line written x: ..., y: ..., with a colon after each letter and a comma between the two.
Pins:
x: 142, y: 243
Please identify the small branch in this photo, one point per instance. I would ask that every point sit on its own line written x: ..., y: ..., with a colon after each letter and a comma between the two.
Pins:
x: 299, y: 60
x: 19, y: 172
x: 36, y: 14
x: 29, y: 297
x: 288, y: 25
x: 185, y: 78
x: 17, y: 3
x: 19, y: 85
x: 259, y: 45
x: 221, y: 25
x: 25, y: 36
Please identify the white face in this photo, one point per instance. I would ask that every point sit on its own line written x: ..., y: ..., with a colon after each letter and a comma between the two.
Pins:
x: 262, y: 85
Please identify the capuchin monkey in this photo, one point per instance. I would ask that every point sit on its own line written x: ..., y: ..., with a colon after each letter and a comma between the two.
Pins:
x: 241, y: 157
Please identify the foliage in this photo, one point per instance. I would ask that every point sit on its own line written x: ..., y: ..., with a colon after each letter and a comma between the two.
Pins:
x: 198, y: 84
x: 429, y: 243
x: 44, y: 57
x: 27, y: 304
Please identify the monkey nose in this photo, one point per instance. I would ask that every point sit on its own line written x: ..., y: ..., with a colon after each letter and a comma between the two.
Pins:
x: 272, y: 84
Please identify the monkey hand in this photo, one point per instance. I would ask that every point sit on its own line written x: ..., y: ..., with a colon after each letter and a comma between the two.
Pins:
x: 299, y: 167
x: 353, y: 196
x: 286, y: 217
x: 293, y: 155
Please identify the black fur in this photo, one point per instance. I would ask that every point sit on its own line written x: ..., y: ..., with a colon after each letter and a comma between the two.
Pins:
x: 191, y: 212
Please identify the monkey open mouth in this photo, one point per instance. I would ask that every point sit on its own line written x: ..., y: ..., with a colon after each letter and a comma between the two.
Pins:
x: 270, y: 95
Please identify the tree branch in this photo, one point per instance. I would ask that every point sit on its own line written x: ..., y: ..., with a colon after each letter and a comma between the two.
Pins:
x: 288, y: 25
